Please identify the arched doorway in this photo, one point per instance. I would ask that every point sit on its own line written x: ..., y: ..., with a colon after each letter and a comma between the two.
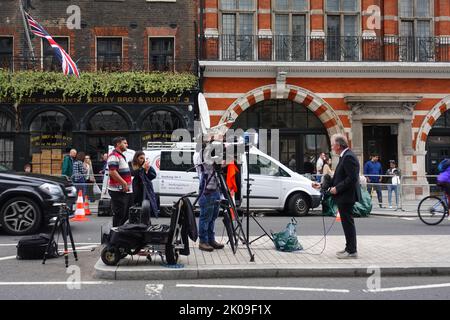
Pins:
x: 6, y: 140
x: 159, y: 125
x: 302, y: 135
x: 438, y: 144
x: 50, y: 136
x: 102, y: 128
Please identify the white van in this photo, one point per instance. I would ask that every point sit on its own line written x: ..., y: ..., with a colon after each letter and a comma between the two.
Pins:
x: 273, y: 185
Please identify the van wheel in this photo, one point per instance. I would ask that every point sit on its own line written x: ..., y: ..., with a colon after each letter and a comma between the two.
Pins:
x: 20, y: 216
x: 298, y: 205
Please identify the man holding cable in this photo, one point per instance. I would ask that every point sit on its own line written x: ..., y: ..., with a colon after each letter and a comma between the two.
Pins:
x: 346, y: 190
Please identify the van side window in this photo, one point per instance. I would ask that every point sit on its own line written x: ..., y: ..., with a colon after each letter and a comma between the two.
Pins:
x: 263, y: 166
x: 177, y: 161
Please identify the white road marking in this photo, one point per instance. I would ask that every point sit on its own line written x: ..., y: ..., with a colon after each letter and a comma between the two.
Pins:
x: 7, y: 258
x: 423, y: 287
x: 261, y: 288
x: 54, y: 283
x: 59, y: 244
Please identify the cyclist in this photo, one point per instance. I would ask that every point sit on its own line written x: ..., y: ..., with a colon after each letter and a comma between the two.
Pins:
x: 443, y: 179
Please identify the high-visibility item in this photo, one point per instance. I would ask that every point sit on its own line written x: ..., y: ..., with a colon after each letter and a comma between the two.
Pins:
x: 87, y: 211
x: 232, y: 171
x: 338, y: 217
x: 80, y: 214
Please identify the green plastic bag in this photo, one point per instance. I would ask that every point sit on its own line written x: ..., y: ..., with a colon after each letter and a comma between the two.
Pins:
x: 287, y: 240
x: 360, y: 209
x: 363, y: 207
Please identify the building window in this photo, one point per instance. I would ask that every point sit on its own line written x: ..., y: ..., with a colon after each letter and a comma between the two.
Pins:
x: 238, y: 29
x: 51, y: 135
x: 6, y: 140
x: 49, y: 60
x: 6, y: 53
x: 416, y: 42
x: 290, y: 29
x: 342, y: 18
x: 159, y: 125
x: 109, y: 54
x: 102, y: 128
x: 162, y: 54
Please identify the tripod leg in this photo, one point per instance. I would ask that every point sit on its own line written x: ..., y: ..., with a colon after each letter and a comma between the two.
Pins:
x: 64, y: 236
x: 52, y: 236
x: 69, y: 229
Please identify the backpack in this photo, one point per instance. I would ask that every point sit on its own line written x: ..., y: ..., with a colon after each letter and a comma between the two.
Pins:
x: 444, y: 165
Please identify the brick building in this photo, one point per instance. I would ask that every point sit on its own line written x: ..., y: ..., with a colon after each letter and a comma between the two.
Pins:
x: 378, y: 71
x: 113, y: 36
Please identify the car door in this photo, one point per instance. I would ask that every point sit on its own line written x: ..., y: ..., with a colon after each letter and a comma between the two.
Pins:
x: 266, y: 182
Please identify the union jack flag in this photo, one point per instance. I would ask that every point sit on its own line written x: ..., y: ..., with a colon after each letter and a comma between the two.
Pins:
x: 68, y: 65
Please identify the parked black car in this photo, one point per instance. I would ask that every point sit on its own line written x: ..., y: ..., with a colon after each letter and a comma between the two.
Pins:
x: 27, y: 200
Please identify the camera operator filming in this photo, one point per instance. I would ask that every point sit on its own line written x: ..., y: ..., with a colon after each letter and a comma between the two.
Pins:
x: 209, y: 200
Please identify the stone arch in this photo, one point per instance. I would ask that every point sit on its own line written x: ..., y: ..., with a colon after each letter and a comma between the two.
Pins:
x: 427, y: 124
x: 317, y: 105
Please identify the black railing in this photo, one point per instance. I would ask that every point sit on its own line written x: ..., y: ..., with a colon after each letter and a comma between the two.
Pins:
x: 92, y: 64
x: 330, y: 48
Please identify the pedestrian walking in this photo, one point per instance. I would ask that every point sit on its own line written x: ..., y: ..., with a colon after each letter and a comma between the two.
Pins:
x: 319, y: 166
x: 79, y: 173
x: 119, y: 185
x: 393, y: 182
x: 374, y: 171
x: 346, y: 191
x: 326, y: 168
x: 67, y: 165
x: 293, y: 163
x: 90, y: 178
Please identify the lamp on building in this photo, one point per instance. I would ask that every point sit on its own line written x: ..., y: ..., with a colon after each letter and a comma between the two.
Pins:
x: 173, y: 25
x: 83, y: 24
x: 133, y: 25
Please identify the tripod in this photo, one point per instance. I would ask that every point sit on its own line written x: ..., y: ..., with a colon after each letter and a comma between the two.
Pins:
x: 247, y: 156
x: 62, y: 225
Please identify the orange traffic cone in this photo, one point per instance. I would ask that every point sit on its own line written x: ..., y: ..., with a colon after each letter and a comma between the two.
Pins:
x: 87, y: 211
x: 338, y: 217
x: 80, y: 214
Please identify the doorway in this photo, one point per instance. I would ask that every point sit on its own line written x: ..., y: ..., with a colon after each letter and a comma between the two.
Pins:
x: 381, y: 139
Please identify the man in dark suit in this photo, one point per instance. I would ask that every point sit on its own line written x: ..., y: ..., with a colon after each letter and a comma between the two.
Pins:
x: 346, y: 191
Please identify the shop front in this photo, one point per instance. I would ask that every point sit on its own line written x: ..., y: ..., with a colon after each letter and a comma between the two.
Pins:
x: 50, y: 127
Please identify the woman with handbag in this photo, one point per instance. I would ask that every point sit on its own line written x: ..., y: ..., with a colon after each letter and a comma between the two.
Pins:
x: 393, y: 182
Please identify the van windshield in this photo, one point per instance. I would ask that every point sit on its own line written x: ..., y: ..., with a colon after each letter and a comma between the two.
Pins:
x: 264, y: 166
x: 177, y: 161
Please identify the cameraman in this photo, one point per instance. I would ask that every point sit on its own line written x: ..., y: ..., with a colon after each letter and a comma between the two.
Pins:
x: 208, y: 201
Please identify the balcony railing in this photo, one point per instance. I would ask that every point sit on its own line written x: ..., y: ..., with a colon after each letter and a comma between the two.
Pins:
x: 91, y: 64
x: 300, y: 48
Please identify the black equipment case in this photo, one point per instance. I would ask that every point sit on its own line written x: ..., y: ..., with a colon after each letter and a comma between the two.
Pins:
x: 33, y: 247
x: 104, y: 208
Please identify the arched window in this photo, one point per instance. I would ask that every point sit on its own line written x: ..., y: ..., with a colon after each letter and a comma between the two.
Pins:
x: 51, y: 135
x: 438, y: 143
x: 159, y: 126
x: 302, y: 135
x: 6, y: 140
x: 107, y: 120
x: 102, y: 128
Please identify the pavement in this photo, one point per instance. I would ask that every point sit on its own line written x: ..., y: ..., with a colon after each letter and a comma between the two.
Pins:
x: 389, y: 255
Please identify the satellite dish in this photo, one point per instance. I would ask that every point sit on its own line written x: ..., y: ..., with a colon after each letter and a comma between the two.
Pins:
x: 205, y: 121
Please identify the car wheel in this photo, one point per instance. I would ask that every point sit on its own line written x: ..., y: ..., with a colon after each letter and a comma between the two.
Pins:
x: 298, y: 205
x: 20, y: 216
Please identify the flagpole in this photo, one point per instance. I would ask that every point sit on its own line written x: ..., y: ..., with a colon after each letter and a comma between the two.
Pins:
x: 27, y: 33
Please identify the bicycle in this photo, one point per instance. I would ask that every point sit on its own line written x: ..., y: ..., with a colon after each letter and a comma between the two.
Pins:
x: 432, y: 209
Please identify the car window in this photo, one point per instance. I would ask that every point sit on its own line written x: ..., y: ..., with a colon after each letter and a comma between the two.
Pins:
x: 4, y: 169
x: 264, y: 166
x: 177, y: 161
